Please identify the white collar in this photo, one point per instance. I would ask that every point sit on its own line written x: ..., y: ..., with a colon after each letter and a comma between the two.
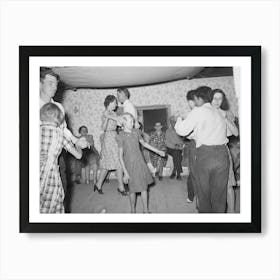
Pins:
x: 42, y: 102
x: 206, y: 105
x: 126, y: 102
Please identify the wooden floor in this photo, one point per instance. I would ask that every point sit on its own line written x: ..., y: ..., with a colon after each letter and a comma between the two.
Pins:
x: 166, y: 196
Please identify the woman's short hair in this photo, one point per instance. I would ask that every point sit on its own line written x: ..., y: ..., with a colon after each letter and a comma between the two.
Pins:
x: 44, y: 71
x: 109, y: 99
x: 125, y: 91
x: 51, y: 113
x: 83, y: 126
x: 224, y: 105
x: 190, y: 94
x: 203, y: 93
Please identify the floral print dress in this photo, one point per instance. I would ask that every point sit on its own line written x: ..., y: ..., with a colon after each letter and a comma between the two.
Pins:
x: 158, y: 141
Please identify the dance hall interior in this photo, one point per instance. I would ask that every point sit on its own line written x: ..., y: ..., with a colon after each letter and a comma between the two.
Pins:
x: 158, y: 173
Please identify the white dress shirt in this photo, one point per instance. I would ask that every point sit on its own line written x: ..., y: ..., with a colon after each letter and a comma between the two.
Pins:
x: 207, y: 124
x: 128, y: 107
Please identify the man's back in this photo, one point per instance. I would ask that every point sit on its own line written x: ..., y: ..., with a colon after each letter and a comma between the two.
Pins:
x: 210, y: 127
x: 206, y: 123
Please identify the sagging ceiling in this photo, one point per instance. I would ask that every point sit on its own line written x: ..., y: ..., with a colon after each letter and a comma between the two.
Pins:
x: 113, y: 77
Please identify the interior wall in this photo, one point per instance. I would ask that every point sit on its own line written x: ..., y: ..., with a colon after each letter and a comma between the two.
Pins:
x: 85, y: 106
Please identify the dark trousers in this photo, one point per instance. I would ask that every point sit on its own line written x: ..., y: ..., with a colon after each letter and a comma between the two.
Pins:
x: 177, y: 160
x: 211, y: 174
x: 62, y: 171
x: 191, y: 178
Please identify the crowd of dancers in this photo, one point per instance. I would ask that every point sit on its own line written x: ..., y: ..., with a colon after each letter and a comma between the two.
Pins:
x: 125, y: 146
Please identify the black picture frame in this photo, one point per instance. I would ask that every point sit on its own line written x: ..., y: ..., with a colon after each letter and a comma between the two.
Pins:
x: 254, y: 52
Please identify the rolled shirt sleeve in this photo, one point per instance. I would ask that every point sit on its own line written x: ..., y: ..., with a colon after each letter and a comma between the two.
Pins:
x: 68, y: 146
x: 65, y: 130
x: 185, y: 127
x: 70, y: 135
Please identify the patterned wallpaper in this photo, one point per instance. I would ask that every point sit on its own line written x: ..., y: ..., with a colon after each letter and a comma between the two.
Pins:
x: 85, y: 106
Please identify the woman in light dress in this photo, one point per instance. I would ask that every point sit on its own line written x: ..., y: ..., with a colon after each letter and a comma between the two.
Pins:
x: 109, y: 159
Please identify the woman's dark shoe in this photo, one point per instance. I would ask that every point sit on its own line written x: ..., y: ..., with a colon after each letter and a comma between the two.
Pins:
x: 172, y: 176
x: 160, y: 178
x: 98, y: 190
x: 124, y: 193
x: 126, y: 188
x: 179, y: 178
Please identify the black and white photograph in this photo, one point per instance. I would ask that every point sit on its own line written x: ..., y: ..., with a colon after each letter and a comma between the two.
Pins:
x: 137, y: 148
x: 139, y: 140
x: 141, y: 135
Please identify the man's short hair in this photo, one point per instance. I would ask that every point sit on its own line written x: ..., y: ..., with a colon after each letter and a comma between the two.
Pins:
x: 47, y: 71
x: 83, y: 126
x: 125, y: 91
x: 50, y: 112
x: 203, y: 93
x: 190, y: 95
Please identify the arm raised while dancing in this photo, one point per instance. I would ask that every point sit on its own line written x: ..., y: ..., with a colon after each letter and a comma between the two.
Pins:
x: 151, y: 148
x: 186, y: 126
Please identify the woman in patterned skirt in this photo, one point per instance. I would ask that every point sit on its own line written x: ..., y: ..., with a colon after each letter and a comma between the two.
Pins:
x: 53, y: 140
x: 109, y: 159
x: 157, y: 140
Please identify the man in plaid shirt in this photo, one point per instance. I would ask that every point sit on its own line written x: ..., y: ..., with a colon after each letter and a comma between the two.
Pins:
x: 53, y: 139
